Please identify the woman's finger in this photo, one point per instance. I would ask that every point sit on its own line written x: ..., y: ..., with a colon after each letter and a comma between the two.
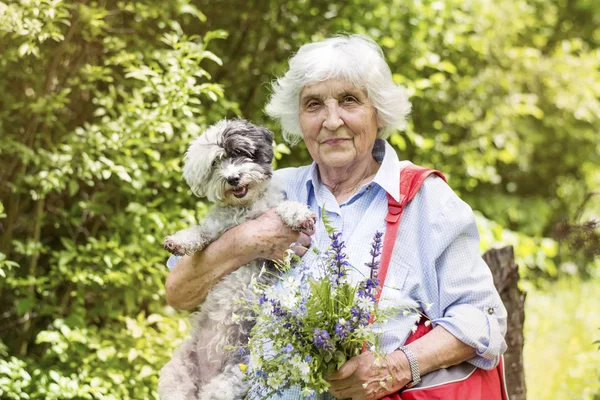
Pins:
x: 299, y: 250
x: 303, y: 240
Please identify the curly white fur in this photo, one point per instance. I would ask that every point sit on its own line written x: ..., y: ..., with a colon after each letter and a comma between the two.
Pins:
x: 230, y: 164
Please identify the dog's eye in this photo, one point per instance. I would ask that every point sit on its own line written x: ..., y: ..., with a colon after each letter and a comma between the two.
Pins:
x: 214, y: 162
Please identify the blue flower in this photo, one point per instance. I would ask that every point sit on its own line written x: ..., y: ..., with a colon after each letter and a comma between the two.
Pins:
x: 339, y: 257
x: 342, y: 328
x: 288, y: 348
x: 308, y: 359
x: 375, y: 252
x: 322, y: 340
x: 277, y: 310
x: 359, y: 318
x: 262, y: 299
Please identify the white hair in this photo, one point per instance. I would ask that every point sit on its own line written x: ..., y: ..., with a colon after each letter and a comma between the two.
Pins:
x: 356, y: 59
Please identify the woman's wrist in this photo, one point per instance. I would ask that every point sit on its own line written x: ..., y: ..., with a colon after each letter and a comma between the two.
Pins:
x: 399, y: 368
x: 248, y: 242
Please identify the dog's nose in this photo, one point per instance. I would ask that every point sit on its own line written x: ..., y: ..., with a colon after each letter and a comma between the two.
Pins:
x: 233, y: 180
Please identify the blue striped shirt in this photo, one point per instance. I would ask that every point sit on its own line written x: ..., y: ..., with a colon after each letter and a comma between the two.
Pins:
x: 435, y: 267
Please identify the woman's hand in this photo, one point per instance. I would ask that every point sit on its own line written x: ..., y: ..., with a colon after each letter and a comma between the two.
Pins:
x: 369, y: 377
x: 272, y: 237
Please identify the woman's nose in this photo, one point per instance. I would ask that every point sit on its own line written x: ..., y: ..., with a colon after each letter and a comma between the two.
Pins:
x: 333, y: 119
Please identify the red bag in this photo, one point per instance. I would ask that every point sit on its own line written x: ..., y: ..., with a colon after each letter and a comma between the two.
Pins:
x: 462, y: 381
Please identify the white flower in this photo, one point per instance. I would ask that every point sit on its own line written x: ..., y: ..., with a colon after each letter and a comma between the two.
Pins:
x: 267, y: 308
x: 364, y: 303
x: 304, y: 369
x: 377, y: 361
x: 270, y: 293
x: 413, y: 329
x: 290, y: 302
x: 362, y: 331
x: 428, y: 306
x: 427, y: 323
x: 291, y: 283
x: 273, y: 382
x: 255, y: 360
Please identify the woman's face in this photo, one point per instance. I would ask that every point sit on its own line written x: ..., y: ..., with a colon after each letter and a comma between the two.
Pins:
x: 338, y: 122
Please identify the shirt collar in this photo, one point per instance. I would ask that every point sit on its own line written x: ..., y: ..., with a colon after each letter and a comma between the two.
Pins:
x: 387, y: 177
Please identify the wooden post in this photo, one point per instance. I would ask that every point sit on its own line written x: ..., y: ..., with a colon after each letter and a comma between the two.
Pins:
x: 506, y: 278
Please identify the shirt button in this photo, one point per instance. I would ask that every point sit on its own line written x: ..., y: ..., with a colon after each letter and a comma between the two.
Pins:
x: 490, y: 310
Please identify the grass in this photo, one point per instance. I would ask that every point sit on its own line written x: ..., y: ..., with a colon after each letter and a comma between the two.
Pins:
x: 561, y: 323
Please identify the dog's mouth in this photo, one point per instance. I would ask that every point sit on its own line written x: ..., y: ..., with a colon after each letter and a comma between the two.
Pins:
x: 240, y: 192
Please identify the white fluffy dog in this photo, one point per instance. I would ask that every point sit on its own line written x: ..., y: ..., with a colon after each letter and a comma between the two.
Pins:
x: 230, y: 164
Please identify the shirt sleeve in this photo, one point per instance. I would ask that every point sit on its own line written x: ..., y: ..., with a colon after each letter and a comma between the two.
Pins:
x: 468, y: 304
x: 172, y: 261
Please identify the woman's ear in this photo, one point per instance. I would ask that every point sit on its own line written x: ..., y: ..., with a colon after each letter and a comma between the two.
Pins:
x: 380, y: 123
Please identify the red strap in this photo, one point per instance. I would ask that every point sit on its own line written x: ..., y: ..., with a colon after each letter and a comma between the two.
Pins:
x: 482, y: 384
x: 411, y: 179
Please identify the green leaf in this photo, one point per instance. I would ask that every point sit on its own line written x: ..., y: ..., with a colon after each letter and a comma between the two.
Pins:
x: 24, y: 305
x: 326, y: 221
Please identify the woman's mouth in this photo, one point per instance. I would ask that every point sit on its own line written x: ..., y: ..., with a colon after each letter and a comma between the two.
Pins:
x: 335, y: 142
x: 240, y: 192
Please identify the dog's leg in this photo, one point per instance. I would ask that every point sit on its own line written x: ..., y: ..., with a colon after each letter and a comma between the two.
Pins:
x: 179, y: 377
x: 190, y: 240
x: 296, y: 215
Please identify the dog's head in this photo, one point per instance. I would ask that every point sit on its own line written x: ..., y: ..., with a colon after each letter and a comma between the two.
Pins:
x: 230, y: 163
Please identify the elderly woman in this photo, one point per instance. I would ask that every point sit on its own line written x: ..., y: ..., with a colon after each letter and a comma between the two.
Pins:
x: 338, y: 96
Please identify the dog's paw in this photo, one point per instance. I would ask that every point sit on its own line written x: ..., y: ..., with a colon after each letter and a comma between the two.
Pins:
x: 172, y: 245
x: 297, y: 216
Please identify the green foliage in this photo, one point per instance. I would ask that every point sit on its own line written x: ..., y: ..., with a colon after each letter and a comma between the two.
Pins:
x: 561, y: 323
x: 98, y: 101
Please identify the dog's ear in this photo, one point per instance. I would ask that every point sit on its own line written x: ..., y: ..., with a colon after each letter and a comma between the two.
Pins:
x: 264, y: 153
x: 241, y: 137
x: 198, y: 165
x: 267, y: 134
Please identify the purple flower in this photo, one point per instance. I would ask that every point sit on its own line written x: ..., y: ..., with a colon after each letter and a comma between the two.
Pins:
x: 375, y: 252
x: 262, y: 299
x: 288, y: 348
x: 322, y: 340
x: 308, y: 359
x: 277, y: 310
x: 242, y: 351
x: 359, y: 317
x: 339, y: 257
x: 342, y: 328
x: 367, y: 288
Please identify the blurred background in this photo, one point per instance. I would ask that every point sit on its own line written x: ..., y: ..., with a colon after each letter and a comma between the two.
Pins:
x: 99, y: 99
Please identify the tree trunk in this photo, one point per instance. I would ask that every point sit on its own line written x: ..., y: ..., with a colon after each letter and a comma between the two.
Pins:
x: 506, y: 278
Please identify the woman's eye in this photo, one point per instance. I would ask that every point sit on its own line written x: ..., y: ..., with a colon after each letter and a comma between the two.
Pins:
x: 312, y: 104
x: 349, y: 99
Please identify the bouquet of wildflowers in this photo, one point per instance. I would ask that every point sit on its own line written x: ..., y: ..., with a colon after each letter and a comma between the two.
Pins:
x: 310, y: 324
